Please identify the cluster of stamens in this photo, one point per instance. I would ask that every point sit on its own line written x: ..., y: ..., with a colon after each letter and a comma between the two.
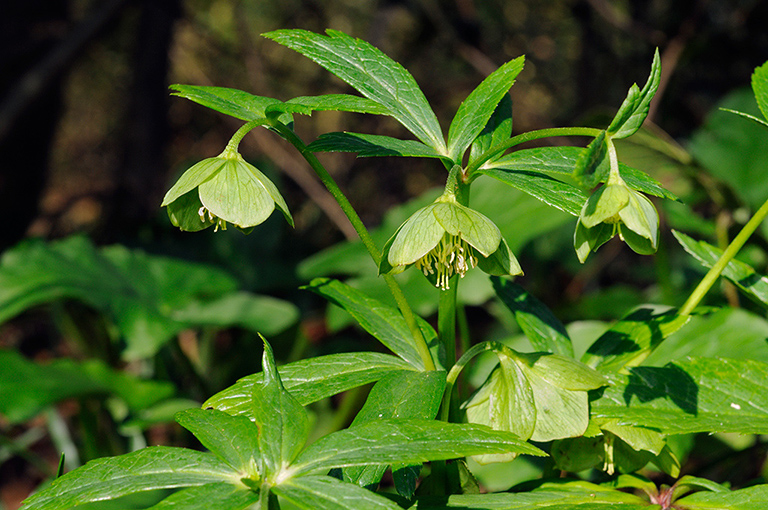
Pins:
x: 211, y: 217
x: 451, y: 256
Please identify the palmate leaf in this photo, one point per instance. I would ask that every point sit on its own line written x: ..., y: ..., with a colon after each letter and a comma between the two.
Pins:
x: 26, y: 387
x: 475, y: 111
x: 371, y: 73
x: 319, y: 492
x: 372, y: 145
x: 313, y: 379
x: 404, y: 395
x: 562, y: 160
x: 760, y: 88
x: 566, y: 197
x: 628, y: 342
x: 234, y: 439
x: 158, y: 467
x: 147, y: 296
x: 750, y: 498
x: 742, y: 275
x: 634, y: 109
x: 383, y: 322
x: 496, y: 131
x: 245, y: 106
x: 692, y: 395
x: 221, y: 496
x: 406, y: 441
x: 553, y: 496
x: 282, y: 422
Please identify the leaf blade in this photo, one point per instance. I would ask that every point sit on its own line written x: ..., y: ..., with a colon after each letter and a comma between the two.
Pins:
x: 475, y: 111
x: 371, y: 73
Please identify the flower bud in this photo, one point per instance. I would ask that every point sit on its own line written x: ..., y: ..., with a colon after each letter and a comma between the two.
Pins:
x: 615, y: 208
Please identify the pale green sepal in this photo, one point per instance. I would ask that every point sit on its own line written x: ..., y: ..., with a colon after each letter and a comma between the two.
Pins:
x: 587, y: 240
x: 504, y: 402
x: 193, y: 177
x: 502, y: 262
x: 415, y: 238
x: 639, y: 244
x: 270, y: 187
x: 563, y: 372
x: 476, y: 229
x: 560, y: 413
x: 641, y: 217
x: 184, y: 213
x: 604, y: 204
x: 235, y: 196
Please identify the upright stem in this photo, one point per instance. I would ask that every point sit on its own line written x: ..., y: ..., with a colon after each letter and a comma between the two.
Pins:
x: 365, y: 237
x: 709, y: 279
x: 446, y: 319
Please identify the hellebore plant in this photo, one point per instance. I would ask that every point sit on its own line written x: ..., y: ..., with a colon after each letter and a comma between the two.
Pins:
x: 603, y: 411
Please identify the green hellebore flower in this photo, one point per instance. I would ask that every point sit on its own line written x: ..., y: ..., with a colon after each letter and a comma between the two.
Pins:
x: 617, y: 209
x: 446, y: 238
x: 221, y: 190
x: 538, y: 396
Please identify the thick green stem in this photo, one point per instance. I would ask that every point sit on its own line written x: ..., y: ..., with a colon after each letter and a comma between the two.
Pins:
x: 446, y: 319
x: 709, y: 279
x: 365, y: 237
x: 527, y: 137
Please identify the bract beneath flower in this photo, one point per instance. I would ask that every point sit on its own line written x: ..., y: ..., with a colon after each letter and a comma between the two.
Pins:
x: 221, y: 190
x: 445, y: 239
x: 617, y: 209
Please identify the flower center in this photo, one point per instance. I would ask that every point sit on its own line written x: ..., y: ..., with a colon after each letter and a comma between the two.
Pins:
x: 451, y: 256
x: 211, y: 217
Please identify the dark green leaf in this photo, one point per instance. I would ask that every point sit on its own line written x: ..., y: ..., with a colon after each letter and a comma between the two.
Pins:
x: 635, y: 108
x: 383, y: 322
x: 232, y: 438
x: 474, y: 113
x: 282, y: 421
x: 562, y: 160
x: 733, y: 150
x: 693, y: 395
x: 551, y: 191
x: 26, y: 388
x: 552, y: 496
x: 406, y: 441
x: 397, y: 396
x: 545, y: 331
x: 313, y: 379
x: 237, y: 103
x: 497, y: 130
x: 760, y: 88
x: 628, y: 342
x: 328, y: 493
x: 221, y: 496
x: 591, y: 165
x: 263, y: 314
x: 742, y: 275
x: 371, y: 73
x: 750, y: 498
x: 372, y: 145
x: 158, y: 467
x: 330, y: 102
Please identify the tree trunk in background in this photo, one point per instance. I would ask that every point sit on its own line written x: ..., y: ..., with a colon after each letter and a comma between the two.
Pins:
x: 28, y: 31
x: 140, y: 179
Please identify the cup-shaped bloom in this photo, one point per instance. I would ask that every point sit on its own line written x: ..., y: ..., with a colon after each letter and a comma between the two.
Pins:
x: 445, y: 239
x: 617, y: 209
x: 221, y: 190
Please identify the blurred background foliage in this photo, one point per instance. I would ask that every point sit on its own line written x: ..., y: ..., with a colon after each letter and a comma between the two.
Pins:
x: 90, y: 140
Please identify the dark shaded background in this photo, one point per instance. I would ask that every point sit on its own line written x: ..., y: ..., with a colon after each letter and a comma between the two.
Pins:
x: 90, y: 139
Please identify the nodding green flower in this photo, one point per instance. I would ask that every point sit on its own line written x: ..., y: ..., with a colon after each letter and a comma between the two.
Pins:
x: 221, y: 190
x: 445, y: 239
x: 615, y: 208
